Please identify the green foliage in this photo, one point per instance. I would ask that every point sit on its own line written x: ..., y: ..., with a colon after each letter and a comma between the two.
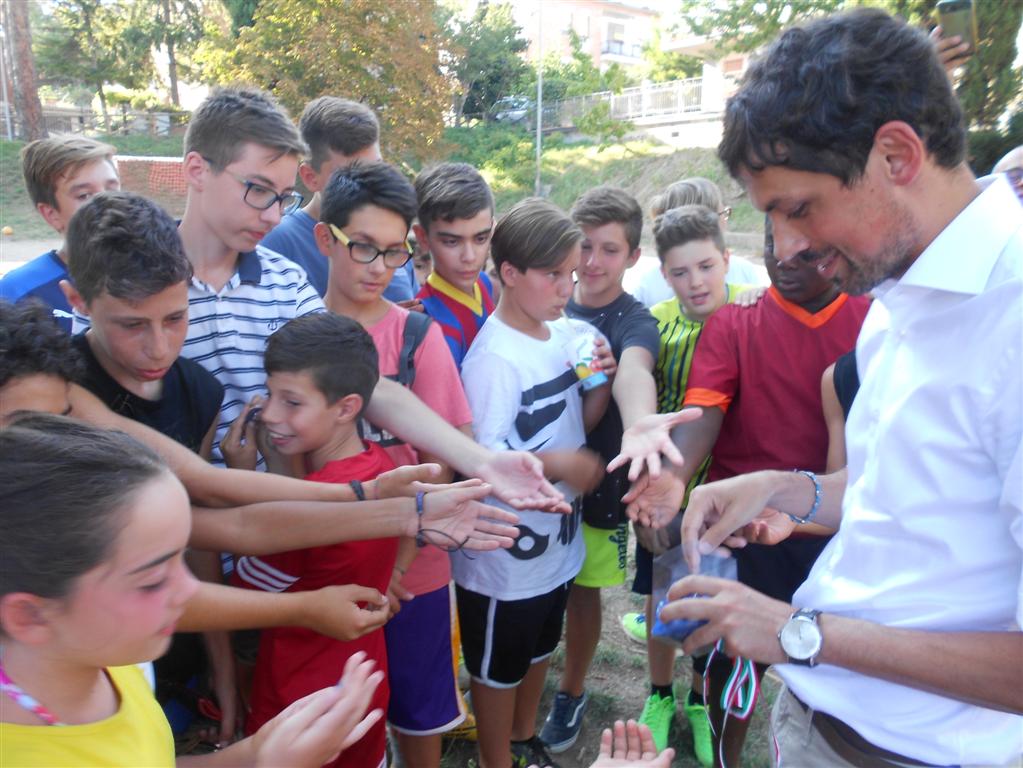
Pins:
x: 485, y: 52
x: 990, y: 81
x: 241, y: 13
x: 578, y: 76
x: 665, y: 66
x: 382, y: 52
x: 987, y: 146
x: 598, y: 124
x: 95, y: 42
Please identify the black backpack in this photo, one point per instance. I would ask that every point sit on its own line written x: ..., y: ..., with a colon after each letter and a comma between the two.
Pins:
x: 416, y: 326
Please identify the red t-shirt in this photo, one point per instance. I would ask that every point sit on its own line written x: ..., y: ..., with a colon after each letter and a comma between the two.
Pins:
x: 294, y: 662
x: 763, y: 365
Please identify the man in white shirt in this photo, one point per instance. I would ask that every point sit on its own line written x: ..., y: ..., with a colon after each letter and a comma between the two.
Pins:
x: 906, y: 648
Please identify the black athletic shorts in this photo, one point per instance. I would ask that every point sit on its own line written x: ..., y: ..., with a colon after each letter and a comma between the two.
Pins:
x: 501, y: 639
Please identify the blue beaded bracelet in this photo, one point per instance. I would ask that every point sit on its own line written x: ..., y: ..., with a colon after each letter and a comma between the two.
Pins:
x: 816, y: 499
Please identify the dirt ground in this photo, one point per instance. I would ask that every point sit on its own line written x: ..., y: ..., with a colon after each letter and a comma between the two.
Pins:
x: 618, y: 686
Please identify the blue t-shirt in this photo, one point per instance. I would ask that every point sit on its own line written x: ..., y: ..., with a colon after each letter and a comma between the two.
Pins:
x: 293, y: 238
x: 40, y: 279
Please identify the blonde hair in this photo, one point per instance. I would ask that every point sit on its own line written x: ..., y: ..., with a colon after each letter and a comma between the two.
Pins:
x: 694, y: 191
x: 45, y: 161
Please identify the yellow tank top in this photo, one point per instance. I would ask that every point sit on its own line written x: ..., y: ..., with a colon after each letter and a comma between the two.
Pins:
x: 137, y: 735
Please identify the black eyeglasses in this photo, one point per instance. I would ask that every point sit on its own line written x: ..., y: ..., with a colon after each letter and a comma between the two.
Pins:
x: 364, y: 253
x: 261, y: 197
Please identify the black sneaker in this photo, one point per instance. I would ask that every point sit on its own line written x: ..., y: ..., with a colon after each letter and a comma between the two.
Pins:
x: 531, y: 752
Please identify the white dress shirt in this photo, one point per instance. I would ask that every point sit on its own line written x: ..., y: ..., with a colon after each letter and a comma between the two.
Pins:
x: 932, y: 525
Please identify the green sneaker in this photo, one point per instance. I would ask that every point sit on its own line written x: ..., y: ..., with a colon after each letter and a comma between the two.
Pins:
x: 634, y: 625
x: 658, y: 715
x: 699, y: 724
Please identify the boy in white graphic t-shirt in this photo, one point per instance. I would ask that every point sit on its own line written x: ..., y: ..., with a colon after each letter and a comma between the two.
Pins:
x: 525, y: 394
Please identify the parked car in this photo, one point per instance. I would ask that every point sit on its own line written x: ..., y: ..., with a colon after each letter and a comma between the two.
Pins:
x: 514, y: 110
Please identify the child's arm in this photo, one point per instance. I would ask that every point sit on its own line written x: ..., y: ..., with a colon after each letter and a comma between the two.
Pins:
x: 312, y: 731
x: 834, y: 417
x: 331, y: 611
x: 269, y: 527
x: 516, y: 477
x: 582, y: 470
x: 206, y: 484
x: 595, y: 406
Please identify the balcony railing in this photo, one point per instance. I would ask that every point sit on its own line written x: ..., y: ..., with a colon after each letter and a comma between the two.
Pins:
x: 676, y: 97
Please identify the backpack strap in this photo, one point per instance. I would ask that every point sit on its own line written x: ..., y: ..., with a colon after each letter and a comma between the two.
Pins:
x: 416, y: 326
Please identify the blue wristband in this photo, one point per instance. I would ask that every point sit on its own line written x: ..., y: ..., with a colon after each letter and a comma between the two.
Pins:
x: 420, y: 539
x: 817, y: 493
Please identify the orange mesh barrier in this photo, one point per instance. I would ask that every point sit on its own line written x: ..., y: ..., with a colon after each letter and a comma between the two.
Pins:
x: 158, y: 178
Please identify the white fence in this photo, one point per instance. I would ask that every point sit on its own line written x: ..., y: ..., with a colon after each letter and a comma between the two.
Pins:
x: 662, y: 100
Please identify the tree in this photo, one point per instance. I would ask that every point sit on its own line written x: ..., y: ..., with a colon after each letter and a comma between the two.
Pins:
x: 664, y: 66
x: 485, y: 54
x: 241, y: 13
x: 26, y: 96
x: 578, y: 76
x: 985, y: 89
x: 96, y: 43
x: 177, y: 25
x: 990, y: 82
x: 381, y: 52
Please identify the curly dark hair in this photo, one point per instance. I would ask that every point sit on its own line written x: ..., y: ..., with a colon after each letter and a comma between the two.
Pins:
x: 818, y: 96
x: 31, y: 342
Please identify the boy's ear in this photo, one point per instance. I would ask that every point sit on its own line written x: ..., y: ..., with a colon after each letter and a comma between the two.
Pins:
x: 349, y: 407
x: 309, y: 177
x: 74, y: 298
x: 324, y: 238
x: 726, y: 255
x: 52, y: 216
x: 193, y: 168
x: 24, y: 617
x: 420, y: 232
x: 508, y: 273
x: 633, y: 258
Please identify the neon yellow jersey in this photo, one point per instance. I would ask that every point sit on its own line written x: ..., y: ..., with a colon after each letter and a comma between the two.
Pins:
x: 136, y: 735
x: 679, y: 335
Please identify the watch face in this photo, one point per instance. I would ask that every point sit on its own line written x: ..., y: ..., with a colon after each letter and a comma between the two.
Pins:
x: 800, y: 638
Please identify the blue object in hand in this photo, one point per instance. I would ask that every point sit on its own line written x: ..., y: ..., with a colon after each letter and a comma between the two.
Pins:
x: 677, y: 630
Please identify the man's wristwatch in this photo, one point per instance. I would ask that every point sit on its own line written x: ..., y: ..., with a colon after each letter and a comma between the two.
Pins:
x: 801, y: 639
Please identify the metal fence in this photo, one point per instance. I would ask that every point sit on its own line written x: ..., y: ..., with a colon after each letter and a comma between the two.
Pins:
x: 676, y: 97
x: 120, y: 120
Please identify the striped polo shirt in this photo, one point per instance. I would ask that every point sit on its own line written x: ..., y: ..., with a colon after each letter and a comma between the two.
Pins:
x: 228, y: 329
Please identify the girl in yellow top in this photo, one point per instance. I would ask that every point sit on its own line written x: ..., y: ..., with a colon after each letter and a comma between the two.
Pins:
x: 92, y: 582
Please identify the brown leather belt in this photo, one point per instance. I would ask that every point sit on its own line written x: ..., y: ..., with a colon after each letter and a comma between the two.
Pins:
x: 851, y: 747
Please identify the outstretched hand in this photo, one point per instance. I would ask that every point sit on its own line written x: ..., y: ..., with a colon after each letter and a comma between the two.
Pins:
x: 654, y: 502
x: 316, y: 729
x: 455, y: 517
x: 645, y: 441
x: 630, y: 745
x: 517, y: 479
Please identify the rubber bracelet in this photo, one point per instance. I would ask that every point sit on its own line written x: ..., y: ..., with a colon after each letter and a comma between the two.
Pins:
x: 817, y: 493
x: 420, y: 539
x: 360, y: 492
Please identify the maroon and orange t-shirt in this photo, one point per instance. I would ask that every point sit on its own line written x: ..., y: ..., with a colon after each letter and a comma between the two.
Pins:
x: 762, y: 365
